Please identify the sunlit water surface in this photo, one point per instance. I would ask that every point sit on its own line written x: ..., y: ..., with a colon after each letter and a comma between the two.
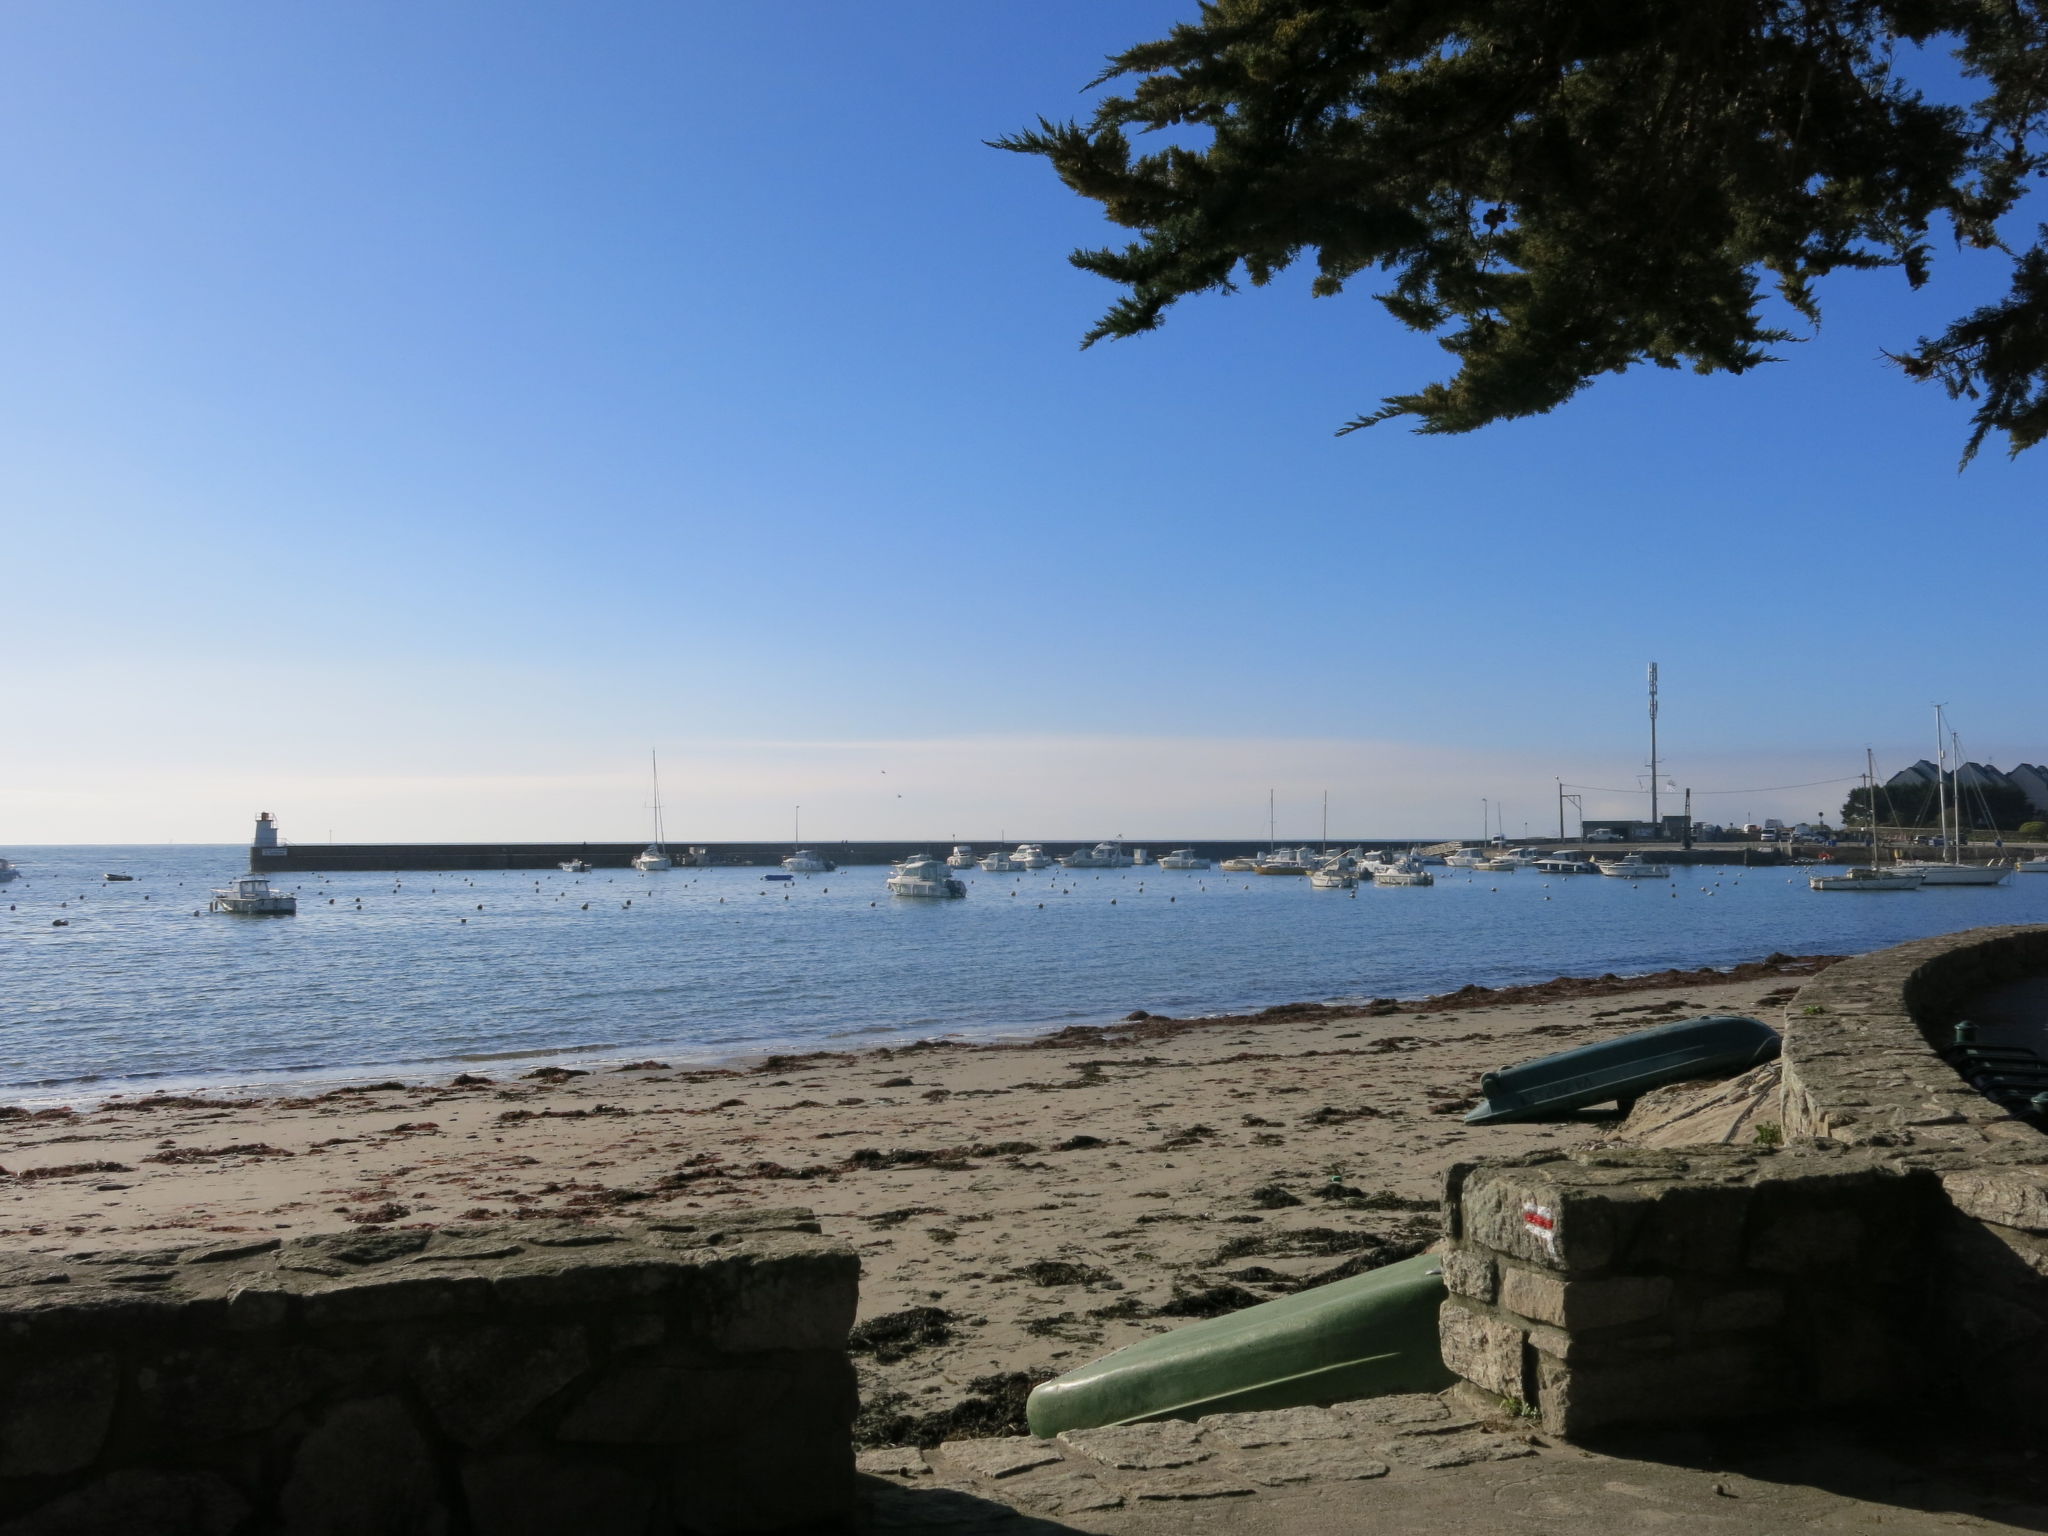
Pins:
x: 144, y: 987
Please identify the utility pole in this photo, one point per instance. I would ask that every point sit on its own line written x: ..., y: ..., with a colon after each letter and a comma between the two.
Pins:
x: 1688, y: 815
x: 1653, y: 744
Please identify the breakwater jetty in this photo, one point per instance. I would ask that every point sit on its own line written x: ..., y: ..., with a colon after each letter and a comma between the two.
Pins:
x: 294, y: 858
x: 289, y: 858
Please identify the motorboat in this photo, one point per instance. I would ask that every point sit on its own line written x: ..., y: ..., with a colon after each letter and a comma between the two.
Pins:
x: 962, y: 857
x: 1140, y: 857
x: 8, y: 872
x: 117, y: 877
x: 1633, y: 866
x: 1501, y: 866
x: 1403, y: 871
x: 1031, y: 856
x: 1865, y: 878
x: 1240, y: 866
x: 1368, y: 1335
x: 574, y: 866
x: 1000, y: 863
x: 1466, y: 858
x: 1567, y: 862
x: 924, y: 875
x: 251, y: 896
x: 1521, y: 858
x: 1186, y: 858
x: 1622, y: 1069
x: 1101, y: 856
x: 1334, y: 876
x: 1285, y: 861
x: 2025, y: 867
x: 806, y: 862
x: 653, y: 859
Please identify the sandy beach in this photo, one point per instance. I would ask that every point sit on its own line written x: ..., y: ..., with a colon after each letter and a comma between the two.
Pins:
x: 1018, y: 1209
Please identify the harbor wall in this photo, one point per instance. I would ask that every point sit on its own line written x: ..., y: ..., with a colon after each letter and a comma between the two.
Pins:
x: 306, y: 857
x: 1882, y: 1247
x: 517, y: 1380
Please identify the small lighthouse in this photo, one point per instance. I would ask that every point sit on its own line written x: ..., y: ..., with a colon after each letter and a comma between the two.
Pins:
x: 266, y: 834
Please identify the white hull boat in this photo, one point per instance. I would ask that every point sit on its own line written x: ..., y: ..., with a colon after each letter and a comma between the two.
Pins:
x: 251, y: 896
x: 573, y: 867
x: 1182, y: 858
x: 1865, y: 879
x: 961, y: 857
x: 805, y: 862
x: 1000, y: 864
x: 2025, y: 867
x: 1031, y: 856
x: 653, y: 859
x: 1334, y: 879
x: 1240, y: 866
x: 925, y: 877
x: 1635, y: 867
x: 1403, y: 872
x: 1931, y: 873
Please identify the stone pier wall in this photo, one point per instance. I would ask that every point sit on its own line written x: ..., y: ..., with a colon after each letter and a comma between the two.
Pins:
x: 510, y: 1380
x: 1891, y: 1252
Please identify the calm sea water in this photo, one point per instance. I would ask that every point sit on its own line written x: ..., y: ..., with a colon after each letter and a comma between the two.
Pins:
x: 405, y: 973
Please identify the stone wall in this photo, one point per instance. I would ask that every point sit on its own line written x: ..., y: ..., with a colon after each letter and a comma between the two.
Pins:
x: 493, y: 1381
x: 1893, y: 1251
x: 1657, y: 1288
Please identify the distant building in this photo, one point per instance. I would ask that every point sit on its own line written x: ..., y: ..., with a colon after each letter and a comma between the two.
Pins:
x: 2029, y: 779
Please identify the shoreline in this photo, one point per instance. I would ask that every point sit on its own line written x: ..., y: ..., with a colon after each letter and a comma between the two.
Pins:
x: 261, y: 1085
x: 1018, y: 1208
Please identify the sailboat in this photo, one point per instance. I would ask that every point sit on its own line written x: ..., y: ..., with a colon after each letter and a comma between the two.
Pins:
x: 656, y: 857
x: 1952, y: 870
x: 802, y: 860
x: 1875, y: 876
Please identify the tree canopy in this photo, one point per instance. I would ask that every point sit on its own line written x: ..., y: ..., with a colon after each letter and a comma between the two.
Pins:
x: 1560, y: 189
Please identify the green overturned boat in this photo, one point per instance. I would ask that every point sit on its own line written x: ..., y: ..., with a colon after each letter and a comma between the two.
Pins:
x: 1618, y: 1071
x: 1367, y: 1336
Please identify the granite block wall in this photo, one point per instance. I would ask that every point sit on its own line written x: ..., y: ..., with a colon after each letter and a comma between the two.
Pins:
x: 510, y: 1380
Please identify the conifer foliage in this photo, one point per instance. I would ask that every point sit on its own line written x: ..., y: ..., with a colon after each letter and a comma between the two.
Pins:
x: 1560, y: 189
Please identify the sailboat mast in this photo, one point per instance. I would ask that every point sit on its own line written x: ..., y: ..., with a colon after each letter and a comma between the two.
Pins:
x: 660, y: 833
x: 1653, y: 744
x: 1941, y: 776
x: 1326, y: 823
x: 1269, y: 820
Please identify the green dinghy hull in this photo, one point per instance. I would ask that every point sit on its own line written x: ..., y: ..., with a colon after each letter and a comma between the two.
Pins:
x: 1622, y: 1069
x: 1367, y: 1336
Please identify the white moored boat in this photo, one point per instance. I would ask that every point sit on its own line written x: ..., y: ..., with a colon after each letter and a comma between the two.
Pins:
x: 251, y: 895
x: 1634, y: 867
x: 1932, y: 873
x: 1338, y: 874
x: 1566, y: 862
x: 574, y: 867
x: 1466, y: 858
x: 1241, y: 866
x: 1403, y: 871
x: 1861, y: 878
x: 1101, y: 856
x: 806, y: 862
x: 1031, y: 856
x: 1285, y: 861
x: 2025, y: 867
x: 1000, y: 863
x: 656, y: 857
x: 962, y: 857
x: 924, y: 876
x: 1182, y: 858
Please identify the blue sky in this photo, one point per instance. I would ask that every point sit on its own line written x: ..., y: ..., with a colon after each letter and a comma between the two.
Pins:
x: 410, y: 415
